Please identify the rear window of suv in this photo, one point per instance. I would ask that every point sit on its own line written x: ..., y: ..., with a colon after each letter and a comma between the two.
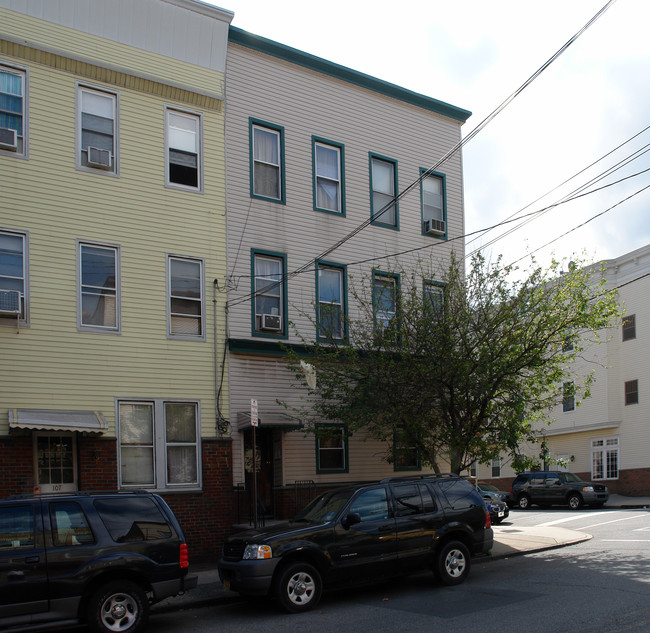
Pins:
x: 460, y: 493
x: 133, y: 519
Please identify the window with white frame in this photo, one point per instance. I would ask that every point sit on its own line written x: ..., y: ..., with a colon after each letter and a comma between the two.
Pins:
x: 605, y: 458
x: 97, y: 139
x: 99, y: 294
x: 13, y: 276
x: 631, y: 392
x: 496, y: 467
x: 629, y: 327
x: 383, y: 185
x: 184, y: 149
x: 328, y: 176
x: 13, y: 111
x: 405, y: 452
x: 185, y: 297
x: 159, y: 444
x: 331, y: 448
x: 269, y: 291
x: 384, y: 297
x: 432, y: 190
x: 266, y: 158
x: 331, y: 301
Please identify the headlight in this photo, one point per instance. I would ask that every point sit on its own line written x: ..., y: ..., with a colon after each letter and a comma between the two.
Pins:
x: 257, y: 552
x: 587, y: 489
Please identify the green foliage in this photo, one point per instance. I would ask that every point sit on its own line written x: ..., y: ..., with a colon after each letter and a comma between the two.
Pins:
x: 463, y: 378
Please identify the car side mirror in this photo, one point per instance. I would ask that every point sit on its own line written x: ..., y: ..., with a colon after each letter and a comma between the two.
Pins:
x: 558, y: 482
x: 350, y: 519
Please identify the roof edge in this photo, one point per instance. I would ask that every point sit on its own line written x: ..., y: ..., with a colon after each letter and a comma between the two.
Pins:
x: 295, y: 56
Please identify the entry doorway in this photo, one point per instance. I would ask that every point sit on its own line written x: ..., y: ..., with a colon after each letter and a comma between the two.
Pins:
x: 55, y: 457
x: 265, y: 470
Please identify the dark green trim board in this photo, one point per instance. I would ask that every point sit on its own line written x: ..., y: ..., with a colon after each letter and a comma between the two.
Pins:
x: 266, y: 348
x: 295, y: 56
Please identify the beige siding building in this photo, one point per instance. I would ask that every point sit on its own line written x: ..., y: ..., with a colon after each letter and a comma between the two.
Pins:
x: 112, y: 241
x: 606, y: 437
x: 315, y: 151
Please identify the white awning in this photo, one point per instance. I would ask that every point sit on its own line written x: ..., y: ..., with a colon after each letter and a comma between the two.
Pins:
x: 56, y: 420
x: 267, y: 421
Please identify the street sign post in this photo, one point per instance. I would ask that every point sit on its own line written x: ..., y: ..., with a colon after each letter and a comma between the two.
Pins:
x: 254, y: 424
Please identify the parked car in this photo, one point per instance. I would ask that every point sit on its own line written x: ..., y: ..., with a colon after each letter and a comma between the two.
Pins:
x: 99, y: 559
x: 546, y: 488
x: 495, y: 502
x: 358, y: 534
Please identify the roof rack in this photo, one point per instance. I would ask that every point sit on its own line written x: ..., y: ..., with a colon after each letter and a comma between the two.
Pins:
x: 420, y: 477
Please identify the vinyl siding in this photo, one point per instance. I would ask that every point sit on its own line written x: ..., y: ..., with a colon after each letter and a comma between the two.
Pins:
x: 307, y: 103
x: 51, y: 365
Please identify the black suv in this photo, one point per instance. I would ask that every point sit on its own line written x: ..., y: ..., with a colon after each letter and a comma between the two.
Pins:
x: 362, y: 533
x: 546, y: 488
x: 96, y: 558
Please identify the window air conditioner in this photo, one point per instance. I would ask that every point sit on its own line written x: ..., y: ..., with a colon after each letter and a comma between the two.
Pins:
x: 8, y: 139
x: 434, y: 227
x: 9, y: 302
x: 271, y: 322
x: 99, y: 158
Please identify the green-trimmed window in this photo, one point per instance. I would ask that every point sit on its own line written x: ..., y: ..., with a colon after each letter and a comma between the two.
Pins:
x: 433, y: 202
x: 385, y: 292
x: 267, y: 158
x: 331, y: 301
x: 329, y: 190
x: 383, y: 189
x: 331, y: 448
x: 269, y: 289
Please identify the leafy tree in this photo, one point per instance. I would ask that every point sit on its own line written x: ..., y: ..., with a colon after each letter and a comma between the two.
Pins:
x: 461, y: 375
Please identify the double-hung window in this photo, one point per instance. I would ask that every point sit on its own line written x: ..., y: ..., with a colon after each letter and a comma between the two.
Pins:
x: 631, y: 392
x: 432, y: 195
x: 434, y: 297
x: 629, y: 327
x: 330, y: 285
x: 383, y: 189
x: 13, y: 111
x: 406, y: 453
x: 186, y: 304
x: 99, y: 287
x: 97, y: 129
x: 329, y: 191
x: 385, y: 290
x: 13, y: 276
x: 183, y: 149
x: 267, y: 156
x: 568, y: 397
x: 331, y: 449
x: 159, y: 444
x: 269, y: 287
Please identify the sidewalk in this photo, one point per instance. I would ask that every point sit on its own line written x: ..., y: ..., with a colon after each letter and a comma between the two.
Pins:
x: 509, y: 541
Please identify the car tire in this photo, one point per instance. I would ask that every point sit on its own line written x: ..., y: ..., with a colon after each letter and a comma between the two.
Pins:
x: 575, y: 501
x: 119, y: 605
x: 299, y: 587
x: 452, y: 563
x: 524, y: 502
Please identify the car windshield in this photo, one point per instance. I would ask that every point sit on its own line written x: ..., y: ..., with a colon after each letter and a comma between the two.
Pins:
x: 488, y: 487
x: 569, y: 477
x: 324, y: 508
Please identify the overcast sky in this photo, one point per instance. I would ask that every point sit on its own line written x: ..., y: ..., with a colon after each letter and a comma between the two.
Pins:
x: 474, y: 54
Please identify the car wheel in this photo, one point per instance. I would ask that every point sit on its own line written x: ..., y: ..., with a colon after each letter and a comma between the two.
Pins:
x: 575, y: 502
x: 452, y: 563
x: 524, y: 502
x: 120, y: 605
x: 299, y: 587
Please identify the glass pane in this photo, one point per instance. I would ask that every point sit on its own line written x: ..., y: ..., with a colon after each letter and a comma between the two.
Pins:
x: 266, y: 181
x: 97, y: 267
x: 137, y: 465
x: 183, y: 133
x: 96, y: 103
x: 11, y: 255
x: 136, y: 424
x: 180, y: 420
x: 327, y: 162
x: 329, y: 285
x: 181, y: 465
x: 266, y: 146
x: 133, y: 519
x: 332, y: 459
x: 185, y: 278
x: 11, y: 83
x: 16, y: 527
x: 383, y: 179
x: 327, y: 194
x: 371, y: 505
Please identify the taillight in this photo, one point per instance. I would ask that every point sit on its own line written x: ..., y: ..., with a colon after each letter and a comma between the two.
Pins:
x: 488, y: 521
x: 184, y: 557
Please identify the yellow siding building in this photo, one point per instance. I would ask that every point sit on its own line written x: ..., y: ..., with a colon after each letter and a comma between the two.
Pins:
x: 112, y: 251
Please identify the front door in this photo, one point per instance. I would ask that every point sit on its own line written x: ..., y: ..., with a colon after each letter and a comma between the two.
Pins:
x: 56, y: 462
x: 23, y: 575
x: 264, y: 465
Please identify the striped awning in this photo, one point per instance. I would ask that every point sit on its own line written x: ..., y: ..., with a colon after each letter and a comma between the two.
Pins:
x: 57, y: 420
